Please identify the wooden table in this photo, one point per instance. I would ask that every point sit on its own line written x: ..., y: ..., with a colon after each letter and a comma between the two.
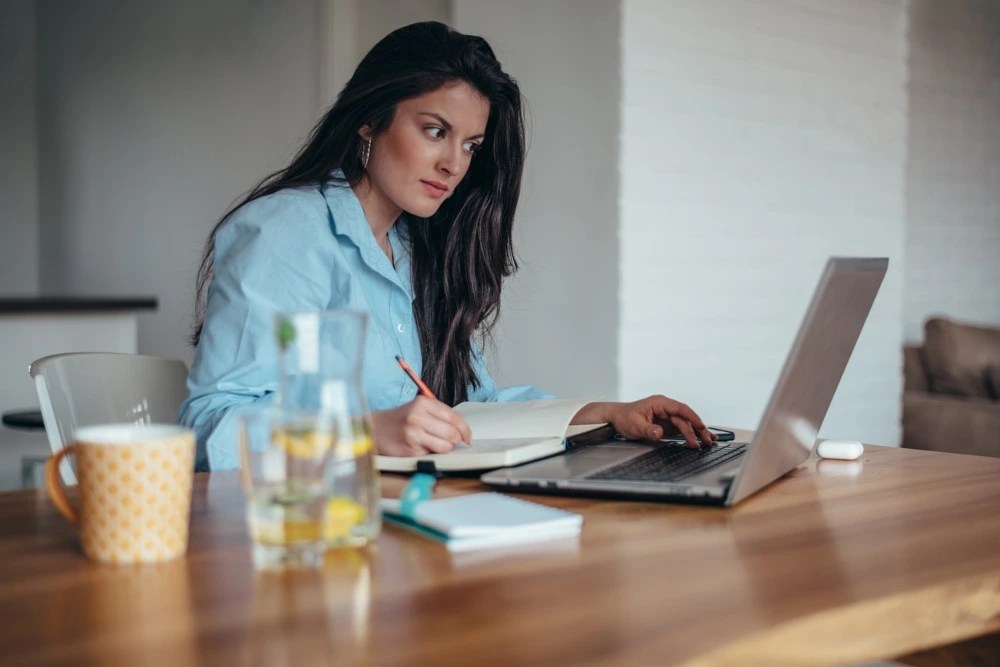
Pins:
x: 835, y: 563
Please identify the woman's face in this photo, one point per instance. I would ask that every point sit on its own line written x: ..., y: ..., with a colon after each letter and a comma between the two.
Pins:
x: 418, y: 160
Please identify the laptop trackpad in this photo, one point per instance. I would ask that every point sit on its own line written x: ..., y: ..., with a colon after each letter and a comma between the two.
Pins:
x: 578, y: 463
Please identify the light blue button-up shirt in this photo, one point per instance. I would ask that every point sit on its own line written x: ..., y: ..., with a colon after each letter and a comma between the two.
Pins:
x: 307, y: 248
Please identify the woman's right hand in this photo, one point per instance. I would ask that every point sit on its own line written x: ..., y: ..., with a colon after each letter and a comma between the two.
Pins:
x: 422, y: 426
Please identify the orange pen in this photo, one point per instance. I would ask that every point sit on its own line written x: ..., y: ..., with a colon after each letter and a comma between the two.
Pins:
x: 424, y: 389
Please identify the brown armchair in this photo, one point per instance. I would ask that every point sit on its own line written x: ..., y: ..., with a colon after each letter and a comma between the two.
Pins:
x: 951, y: 397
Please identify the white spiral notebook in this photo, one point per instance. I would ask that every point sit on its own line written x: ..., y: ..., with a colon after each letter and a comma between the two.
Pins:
x: 480, y: 520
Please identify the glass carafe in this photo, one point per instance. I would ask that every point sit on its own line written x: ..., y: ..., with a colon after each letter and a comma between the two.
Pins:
x: 321, y: 357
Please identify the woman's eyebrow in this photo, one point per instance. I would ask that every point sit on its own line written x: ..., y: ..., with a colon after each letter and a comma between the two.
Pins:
x: 439, y: 118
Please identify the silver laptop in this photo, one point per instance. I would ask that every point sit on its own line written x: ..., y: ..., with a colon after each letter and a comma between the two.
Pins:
x: 599, y: 464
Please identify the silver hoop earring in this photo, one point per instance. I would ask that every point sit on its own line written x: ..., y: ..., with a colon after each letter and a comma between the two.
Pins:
x: 366, y: 152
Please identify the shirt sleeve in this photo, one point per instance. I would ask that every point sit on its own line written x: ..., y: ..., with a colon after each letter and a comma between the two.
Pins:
x: 272, y: 255
x: 488, y: 392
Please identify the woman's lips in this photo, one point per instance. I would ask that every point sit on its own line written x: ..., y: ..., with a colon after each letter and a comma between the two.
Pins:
x: 434, y: 190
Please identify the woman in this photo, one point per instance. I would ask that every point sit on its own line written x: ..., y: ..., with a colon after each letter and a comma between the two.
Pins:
x: 401, y: 204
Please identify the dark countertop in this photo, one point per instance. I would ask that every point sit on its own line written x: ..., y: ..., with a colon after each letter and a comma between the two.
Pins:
x: 74, y: 304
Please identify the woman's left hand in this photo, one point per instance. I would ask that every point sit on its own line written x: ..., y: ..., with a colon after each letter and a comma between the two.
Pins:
x: 650, y: 418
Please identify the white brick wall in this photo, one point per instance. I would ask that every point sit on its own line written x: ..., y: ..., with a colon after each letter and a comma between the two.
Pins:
x: 953, y: 163
x: 758, y: 138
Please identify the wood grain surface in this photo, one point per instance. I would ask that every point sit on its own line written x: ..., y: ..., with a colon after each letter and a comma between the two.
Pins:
x: 835, y: 563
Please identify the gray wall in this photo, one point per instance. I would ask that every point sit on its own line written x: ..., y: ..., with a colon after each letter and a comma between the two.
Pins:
x: 352, y: 27
x: 559, y: 322
x: 377, y: 19
x: 19, y: 150
x: 153, y: 118
x: 953, y: 163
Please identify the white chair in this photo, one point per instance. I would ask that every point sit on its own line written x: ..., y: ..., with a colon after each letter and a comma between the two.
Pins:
x: 86, y: 388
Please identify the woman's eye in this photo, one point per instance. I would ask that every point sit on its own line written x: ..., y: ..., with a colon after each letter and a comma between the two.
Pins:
x: 434, y: 132
x: 472, y: 147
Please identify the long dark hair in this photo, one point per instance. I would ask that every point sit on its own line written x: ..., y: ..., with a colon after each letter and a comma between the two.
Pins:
x: 461, y: 254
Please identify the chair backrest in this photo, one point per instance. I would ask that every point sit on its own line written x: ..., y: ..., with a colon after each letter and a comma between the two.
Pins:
x: 86, y: 388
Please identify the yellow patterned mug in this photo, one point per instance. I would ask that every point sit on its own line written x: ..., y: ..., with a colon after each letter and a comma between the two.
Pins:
x: 134, y: 491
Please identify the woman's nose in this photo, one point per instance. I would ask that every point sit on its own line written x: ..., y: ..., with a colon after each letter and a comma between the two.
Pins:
x: 450, y: 161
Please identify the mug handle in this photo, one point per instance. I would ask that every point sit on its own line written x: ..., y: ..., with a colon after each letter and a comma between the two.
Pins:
x: 53, y: 484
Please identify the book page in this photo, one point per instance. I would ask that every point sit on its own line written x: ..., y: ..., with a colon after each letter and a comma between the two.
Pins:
x: 542, y: 418
x: 482, y: 445
x: 484, y: 454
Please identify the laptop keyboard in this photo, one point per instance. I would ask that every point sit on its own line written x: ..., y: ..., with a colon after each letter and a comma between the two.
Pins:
x: 670, y: 463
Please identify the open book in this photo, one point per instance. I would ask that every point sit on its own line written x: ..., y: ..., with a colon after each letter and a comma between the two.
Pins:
x: 503, y: 434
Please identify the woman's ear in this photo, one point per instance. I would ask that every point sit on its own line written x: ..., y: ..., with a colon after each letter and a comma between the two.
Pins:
x: 365, y: 132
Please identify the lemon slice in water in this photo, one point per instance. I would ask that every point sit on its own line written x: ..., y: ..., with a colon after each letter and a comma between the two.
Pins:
x: 342, y: 514
x: 304, y: 444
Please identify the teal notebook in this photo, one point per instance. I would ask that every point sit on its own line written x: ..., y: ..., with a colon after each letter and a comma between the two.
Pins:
x: 482, y: 520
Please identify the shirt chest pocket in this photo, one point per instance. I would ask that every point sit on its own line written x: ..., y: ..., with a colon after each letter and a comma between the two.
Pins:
x: 383, y: 378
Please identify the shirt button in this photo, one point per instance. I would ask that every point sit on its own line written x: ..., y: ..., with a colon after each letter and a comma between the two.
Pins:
x: 399, y: 328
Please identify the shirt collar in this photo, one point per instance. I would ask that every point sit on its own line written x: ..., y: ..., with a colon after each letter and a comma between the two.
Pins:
x: 347, y: 219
